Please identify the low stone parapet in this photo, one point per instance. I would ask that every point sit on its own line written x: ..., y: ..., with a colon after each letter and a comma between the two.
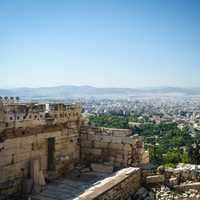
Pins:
x: 121, y: 185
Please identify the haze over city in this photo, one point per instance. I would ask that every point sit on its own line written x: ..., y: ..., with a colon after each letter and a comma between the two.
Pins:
x: 99, y: 100
x: 99, y: 43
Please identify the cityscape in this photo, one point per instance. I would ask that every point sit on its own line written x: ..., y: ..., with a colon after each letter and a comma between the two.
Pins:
x: 99, y: 100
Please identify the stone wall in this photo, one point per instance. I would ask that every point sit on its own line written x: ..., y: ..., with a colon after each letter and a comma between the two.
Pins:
x: 17, y: 152
x: 29, y: 132
x: 121, y: 185
x: 116, y: 146
x: 33, y: 115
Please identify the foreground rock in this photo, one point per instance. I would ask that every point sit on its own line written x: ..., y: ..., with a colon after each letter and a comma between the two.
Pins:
x: 183, y: 173
x: 164, y: 193
x: 180, y: 183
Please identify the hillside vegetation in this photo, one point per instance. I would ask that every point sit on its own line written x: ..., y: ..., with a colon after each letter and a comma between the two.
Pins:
x: 167, y: 144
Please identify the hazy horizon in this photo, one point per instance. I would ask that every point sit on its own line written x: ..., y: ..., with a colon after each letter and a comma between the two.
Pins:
x: 121, y: 44
x: 106, y: 87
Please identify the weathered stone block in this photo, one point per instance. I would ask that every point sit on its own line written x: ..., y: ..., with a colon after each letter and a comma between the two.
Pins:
x: 117, y: 140
x: 155, y: 179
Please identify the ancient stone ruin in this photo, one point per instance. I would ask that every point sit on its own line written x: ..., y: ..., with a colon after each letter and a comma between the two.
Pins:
x: 180, y: 183
x: 49, y: 151
x: 46, y: 144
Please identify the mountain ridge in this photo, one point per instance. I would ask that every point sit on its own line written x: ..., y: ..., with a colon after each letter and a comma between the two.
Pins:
x: 88, y: 91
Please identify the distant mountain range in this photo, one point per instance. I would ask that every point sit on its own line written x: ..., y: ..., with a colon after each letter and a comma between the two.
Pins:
x: 71, y: 91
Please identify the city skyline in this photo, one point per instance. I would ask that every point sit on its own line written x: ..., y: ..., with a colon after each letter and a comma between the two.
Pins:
x: 127, y: 44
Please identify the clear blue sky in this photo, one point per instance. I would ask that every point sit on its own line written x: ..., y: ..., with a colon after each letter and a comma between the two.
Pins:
x: 102, y: 43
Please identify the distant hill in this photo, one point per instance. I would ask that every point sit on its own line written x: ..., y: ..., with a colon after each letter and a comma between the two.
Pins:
x: 71, y: 91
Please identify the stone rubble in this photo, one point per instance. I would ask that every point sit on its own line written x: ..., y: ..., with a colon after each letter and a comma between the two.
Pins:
x: 183, y: 173
x: 164, y: 193
x: 180, y: 183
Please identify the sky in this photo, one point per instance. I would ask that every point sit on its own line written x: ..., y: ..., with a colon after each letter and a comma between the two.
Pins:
x: 102, y: 43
